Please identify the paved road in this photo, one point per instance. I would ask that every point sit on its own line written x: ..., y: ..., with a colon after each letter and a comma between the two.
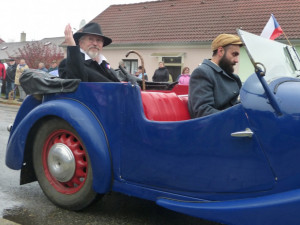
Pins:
x: 27, y: 204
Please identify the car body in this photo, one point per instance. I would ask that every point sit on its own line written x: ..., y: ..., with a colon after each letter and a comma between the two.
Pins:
x: 238, y: 166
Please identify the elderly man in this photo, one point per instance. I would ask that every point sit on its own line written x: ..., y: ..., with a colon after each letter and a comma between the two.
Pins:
x: 84, y: 59
x: 213, y: 86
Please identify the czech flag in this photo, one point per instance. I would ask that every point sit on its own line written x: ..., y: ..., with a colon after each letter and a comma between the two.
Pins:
x: 272, y: 29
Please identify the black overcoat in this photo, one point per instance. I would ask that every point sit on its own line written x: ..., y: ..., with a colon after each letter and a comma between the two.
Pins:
x: 76, y: 67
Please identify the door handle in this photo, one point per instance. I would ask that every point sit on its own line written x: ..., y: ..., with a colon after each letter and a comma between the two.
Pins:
x: 246, y: 133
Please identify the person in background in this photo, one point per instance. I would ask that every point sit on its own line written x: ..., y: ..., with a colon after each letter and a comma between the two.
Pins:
x: 140, y: 73
x: 2, y: 75
x: 53, y: 70
x: 213, y: 85
x: 42, y: 67
x: 5, y: 65
x: 161, y: 74
x: 136, y: 72
x: 21, y: 67
x: 10, y: 77
x: 184, y: 77
x: 53, y: 66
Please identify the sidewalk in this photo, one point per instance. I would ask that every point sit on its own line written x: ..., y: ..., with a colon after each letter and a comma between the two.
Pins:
x: 9, y: 102
x: 7, y: 222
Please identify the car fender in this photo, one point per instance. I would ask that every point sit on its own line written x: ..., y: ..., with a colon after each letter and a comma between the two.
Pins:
x: 83, y: 120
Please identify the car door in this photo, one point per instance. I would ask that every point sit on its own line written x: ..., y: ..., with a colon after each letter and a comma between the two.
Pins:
x: 197, y: 155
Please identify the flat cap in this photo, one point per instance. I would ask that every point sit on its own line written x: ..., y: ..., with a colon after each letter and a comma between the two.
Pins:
x: 225, y: 39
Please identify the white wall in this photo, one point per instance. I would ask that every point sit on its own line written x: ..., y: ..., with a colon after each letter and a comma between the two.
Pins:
x: 194, y: 55
x: 192, y: 58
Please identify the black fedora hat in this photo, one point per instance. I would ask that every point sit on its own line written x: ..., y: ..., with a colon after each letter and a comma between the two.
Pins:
x: 91, y: 28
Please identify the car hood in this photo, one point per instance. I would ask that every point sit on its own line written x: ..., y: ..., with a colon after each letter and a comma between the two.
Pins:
x: 287, y: 92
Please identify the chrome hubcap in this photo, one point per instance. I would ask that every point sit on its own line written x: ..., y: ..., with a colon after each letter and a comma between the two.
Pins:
x: 61, y: 162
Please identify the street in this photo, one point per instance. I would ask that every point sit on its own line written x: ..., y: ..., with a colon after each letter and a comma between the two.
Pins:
x: 28, y: 205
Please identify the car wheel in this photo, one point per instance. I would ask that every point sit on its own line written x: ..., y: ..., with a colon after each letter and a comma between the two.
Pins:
x: 62, y: 165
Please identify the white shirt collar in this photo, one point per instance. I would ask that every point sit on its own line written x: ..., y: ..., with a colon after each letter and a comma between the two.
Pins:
x: 86, y: 57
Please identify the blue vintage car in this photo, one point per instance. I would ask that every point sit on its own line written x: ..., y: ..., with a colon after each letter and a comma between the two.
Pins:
x: 238, y: 166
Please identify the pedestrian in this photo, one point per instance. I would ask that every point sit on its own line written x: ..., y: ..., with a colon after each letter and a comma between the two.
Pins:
x: 161, y: 74
x: 184, y: 77
x: 21, y: 67
x: 42, y: 67
x: 53, y: 66
x: 2, y: 75
x: 140, y: 73
x: 10, y: 78
x: 53, y: 70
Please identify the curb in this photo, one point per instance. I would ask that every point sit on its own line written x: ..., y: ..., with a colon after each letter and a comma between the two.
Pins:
x: 10, y: 102
x: 7, y: 222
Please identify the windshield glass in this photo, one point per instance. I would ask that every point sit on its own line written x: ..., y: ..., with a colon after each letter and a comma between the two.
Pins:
x: 279, y: 59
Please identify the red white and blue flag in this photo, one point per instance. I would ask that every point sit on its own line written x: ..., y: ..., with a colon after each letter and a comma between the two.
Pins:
x: 272, y: 29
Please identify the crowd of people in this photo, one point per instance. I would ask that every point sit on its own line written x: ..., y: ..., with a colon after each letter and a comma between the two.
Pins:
x: 213, y: 86
x: 10, y: 73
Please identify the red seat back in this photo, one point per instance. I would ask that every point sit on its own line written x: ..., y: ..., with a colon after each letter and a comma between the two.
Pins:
x: 160, y: 106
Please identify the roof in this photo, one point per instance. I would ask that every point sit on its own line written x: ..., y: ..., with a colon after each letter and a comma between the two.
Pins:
x: 55, y: 40
x: 10, y: 49
x: 195, y: 20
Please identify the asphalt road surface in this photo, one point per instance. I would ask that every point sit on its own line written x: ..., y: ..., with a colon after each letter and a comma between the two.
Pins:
x: 27, y: 204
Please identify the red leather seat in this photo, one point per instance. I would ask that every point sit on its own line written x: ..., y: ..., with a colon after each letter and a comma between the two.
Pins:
x: 160, y: 106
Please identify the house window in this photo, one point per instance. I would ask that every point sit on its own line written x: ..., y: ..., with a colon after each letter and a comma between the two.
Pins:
x: 131, y: 65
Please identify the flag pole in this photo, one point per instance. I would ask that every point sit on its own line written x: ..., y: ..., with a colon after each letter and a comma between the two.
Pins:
x: 286, y: 38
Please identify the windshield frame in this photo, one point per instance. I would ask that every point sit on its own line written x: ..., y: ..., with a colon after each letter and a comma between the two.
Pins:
x: 275, y: 59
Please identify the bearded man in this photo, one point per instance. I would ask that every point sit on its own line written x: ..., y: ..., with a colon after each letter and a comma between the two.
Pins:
x: 213, y: 86
x: 84, y: 59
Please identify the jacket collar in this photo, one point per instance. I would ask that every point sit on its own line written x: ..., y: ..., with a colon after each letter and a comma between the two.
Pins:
x: 86, y: 57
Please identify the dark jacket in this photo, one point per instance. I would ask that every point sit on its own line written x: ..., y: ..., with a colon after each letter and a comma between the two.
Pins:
x: 76, y: 67
x: 161, y: 75
x: 11, y: 73
x: 212, y: 89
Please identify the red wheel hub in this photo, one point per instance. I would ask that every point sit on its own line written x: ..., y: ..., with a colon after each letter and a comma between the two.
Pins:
x: 65, y: 162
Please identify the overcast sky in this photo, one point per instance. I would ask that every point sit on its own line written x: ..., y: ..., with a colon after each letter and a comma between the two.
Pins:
x: 43, y: 19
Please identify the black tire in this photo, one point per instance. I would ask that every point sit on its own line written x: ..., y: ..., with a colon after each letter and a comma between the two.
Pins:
x: 53, y: 140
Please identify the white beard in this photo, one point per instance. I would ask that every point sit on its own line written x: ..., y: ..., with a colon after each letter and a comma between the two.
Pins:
x: 93, y: 54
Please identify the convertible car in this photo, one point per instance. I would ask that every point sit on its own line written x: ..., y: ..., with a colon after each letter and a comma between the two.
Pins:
x: 238, y: 166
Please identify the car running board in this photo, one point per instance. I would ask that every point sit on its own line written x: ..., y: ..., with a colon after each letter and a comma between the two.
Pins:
x: 275, y: 209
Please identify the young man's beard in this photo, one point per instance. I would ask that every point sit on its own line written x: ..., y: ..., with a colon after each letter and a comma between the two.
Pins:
x: 226, y: 65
